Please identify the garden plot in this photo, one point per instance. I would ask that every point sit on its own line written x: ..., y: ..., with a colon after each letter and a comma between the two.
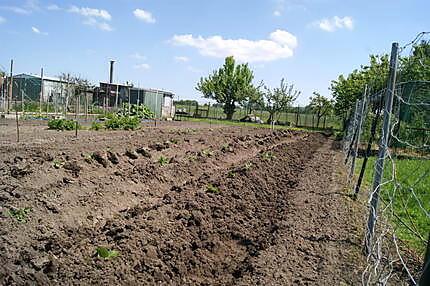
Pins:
x: 177, y: 204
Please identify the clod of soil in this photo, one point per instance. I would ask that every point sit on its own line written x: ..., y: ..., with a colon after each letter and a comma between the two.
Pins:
x: 17, y: 171
x: 113, y: 158
x: 99, y: 158
x: 131, y: 154
x: 72, y: 166
x: 145, y: 152
x: 159, y: 146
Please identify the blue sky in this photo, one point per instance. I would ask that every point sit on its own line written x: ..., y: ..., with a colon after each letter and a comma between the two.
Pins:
x: 171, y: 44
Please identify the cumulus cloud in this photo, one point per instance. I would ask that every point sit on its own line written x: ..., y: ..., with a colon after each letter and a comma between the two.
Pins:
x: 335, y: 23
x: 142, y: 66
x: 181, y: 59
x: 94, y: 17
x: 143, y: 15
x: 277, y: 13
x: 37, y: 31
x: 280, y: 45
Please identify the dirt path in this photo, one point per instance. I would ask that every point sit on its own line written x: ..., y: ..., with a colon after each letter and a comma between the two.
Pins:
x: 232, y: 207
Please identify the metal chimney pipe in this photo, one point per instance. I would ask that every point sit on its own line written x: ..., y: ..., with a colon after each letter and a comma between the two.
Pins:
x: 111, y: 72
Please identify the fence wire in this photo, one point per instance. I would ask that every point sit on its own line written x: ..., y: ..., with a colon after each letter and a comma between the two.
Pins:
x: 399, y: 240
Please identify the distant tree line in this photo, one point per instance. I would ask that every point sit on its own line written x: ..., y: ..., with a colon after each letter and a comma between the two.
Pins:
x: 232, y: 86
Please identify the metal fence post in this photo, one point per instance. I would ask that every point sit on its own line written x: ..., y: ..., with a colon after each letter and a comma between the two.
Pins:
x: 425, y: 276
x: 379, y: 165
x: 357, y: 137
x: 351, y: 132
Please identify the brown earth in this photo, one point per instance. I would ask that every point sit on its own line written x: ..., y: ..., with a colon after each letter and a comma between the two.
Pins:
x: 233, y: 206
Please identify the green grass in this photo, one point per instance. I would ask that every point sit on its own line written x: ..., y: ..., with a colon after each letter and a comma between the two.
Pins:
x: 250, y: 124
x: 237, y: 123
x: 409, y: 217
x: 305, y: 119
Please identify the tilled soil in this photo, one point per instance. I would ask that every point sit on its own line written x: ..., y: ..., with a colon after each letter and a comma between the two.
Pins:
x: 183, y: 205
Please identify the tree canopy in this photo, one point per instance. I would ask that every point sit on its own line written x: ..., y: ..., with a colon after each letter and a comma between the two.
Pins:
x: 346, y: 90
x: 229, y: 85
x: 279, y: 98
x: 412, y: 68
x: 321, y: 106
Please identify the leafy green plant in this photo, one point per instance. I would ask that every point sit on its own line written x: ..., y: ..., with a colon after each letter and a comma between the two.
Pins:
x: 248, y: 166
x: 62, y: 124
x: 57, y: 164
x: 207, y: 153
x: 269, y: 156
x: 231, y: 174
x: 122, y: 122
x: 96, y: 126
x: 139, y: 111
x: 163, y: 161
x: 212, y: 189
x: 105, y: 253
x: 20, y: 215
x: 192, y: 158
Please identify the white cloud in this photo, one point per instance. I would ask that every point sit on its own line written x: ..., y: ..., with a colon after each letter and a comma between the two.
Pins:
x: 17, y: 10
x: 335, y: 23
x: 283, y: 6
x: 94, y: 17
x: 37, y: 31
x: 27, y: 8
x: 53, y: 7
x: 91, y: 13
x: 138, y: 56
x: 142, y: 66
x: 280, y: 45
x: 2, y: 20
x: 100, y: 25
x: 181, y: 59
x: 145, y: 16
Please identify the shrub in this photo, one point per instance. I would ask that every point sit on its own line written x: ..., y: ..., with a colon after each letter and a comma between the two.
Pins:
x: 140, y: 111
x: 62, y: 124
x: 122, y: 122
x: 96, y: 126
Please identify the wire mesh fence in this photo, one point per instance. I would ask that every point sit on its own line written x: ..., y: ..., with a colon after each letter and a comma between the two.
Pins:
x: 294, y: 116
x: 387, y: 149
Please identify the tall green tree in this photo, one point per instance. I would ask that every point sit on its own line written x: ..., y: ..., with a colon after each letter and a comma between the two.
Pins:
x: 254, y: 98
x: 346, y: 90
x: 416, y: 66
x: 321, y: 106
x: 229, y: 85
x: 279, y: 99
